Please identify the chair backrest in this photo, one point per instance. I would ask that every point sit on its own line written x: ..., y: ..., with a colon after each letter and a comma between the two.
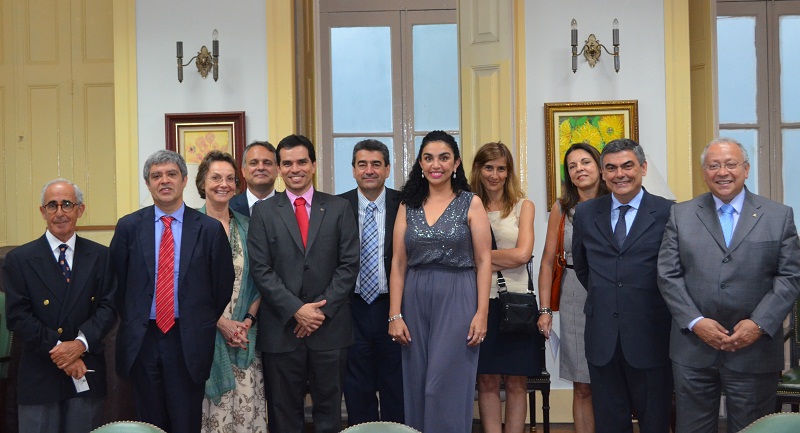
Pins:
x: 776, y: 423
x: 5, y: 339
x: 794, y: 336
x: 128, y: 427
x: 380, y: 427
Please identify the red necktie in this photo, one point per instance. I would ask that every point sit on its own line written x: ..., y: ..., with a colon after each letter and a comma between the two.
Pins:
x: 302, y: 217
x: 165, y: 282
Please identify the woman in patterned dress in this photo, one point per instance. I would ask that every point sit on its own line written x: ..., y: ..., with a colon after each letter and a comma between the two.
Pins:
x: 234, y: 400
x: 582, y: 164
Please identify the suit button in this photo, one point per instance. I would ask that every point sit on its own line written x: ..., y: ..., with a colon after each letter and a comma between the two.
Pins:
x: 92, y: 298
x: 619, y: 284
x: 60, y: 331
x: 722, y: 286
x: 46, y: 302
x: 726, y: 260
x: 305, y: 268
x: 616, y: 315
x: 619, y: 258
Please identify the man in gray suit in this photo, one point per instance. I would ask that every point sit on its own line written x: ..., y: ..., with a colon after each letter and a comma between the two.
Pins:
x: 729, y: 270
x: 304, y: 258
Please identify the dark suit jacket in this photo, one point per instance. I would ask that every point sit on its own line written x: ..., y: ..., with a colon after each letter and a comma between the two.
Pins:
x: 43, y: 309
x: 288, y: 276
x: 392, y: 204
x: 205, y: 284
x: 239, y: 204
x: 623, y: 298
x: 757, y: 277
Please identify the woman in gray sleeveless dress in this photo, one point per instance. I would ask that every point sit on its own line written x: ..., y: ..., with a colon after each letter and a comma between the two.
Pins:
x: 439, y: 288
x: 583, y: 182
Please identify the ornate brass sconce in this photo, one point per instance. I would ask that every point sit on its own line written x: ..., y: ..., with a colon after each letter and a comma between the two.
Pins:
x: 204, y: 60
x: 592, y: 47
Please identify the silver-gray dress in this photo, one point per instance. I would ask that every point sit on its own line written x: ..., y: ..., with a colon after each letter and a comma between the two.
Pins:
x: 573, y: 365
x: 439, y: 302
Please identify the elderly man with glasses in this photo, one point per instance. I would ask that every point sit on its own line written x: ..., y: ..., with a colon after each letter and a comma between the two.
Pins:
x: 60, y: 305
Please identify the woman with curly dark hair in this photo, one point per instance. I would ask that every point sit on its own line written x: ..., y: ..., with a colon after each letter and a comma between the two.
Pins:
x: 439, y: 288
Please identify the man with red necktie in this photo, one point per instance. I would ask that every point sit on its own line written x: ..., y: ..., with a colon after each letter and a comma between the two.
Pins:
x: 174, y: 278
x: 304, y: 258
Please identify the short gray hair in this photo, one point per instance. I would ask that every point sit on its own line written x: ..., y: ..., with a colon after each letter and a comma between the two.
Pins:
x: 78, y: 192
x: 164, y: 156
x: 721, y: 140
x: 621, y: 145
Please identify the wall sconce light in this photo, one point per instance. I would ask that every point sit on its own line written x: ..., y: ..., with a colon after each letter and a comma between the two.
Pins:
x: 204, y: 60
x: 591, y: 48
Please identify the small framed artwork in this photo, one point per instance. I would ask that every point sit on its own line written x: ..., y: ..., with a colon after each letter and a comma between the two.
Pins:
x: 193, y: 135
x: 595, y: 123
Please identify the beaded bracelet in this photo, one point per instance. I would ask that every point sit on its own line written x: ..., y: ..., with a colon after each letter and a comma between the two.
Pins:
x: 395, y: 317
x: 546, y: 311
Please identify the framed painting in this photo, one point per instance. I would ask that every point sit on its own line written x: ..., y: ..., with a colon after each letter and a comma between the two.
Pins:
x: 595, y: 123
x: 193, y: 135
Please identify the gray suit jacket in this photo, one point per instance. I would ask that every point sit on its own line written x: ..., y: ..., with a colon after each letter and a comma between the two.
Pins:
x: 757, y: 277
x: 288, y: 276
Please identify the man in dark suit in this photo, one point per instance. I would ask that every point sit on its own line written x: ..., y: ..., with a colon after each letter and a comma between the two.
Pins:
x: 615, y: 249
x: 373, y: 361
x: 60, y: 305
x: 729, y: 270
x: 175, y: 276
x: 304, y: 259
x: 260, y: 171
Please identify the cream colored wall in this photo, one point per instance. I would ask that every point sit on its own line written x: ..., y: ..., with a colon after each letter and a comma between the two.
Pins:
x: 57, y: 108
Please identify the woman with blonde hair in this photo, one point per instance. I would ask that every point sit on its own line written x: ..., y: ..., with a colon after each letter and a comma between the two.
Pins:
x: 583, y: 182
x: 510, y: 356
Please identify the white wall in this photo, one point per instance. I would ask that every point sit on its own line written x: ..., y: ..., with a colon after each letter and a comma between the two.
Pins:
x: 242, y: 84
x: 550, y: 79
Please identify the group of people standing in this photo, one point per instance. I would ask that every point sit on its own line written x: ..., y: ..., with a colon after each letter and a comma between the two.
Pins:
x: 231, y: 314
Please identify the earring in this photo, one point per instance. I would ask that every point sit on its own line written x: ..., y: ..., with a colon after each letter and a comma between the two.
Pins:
x: 423, y: 175
x: 454, y: 175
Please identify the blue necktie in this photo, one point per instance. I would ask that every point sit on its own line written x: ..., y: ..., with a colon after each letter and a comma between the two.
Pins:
x: 368, y: 273
x: 620, y: 229
x: 726, y: 221
x: 62, y: 262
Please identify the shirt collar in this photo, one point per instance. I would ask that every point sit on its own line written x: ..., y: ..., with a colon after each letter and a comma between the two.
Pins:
x: 306, y: 195
x: 737, y: 202
x: 380, y: 202
x: 55, y: 242
x: 635, y: 202
x: 252, y: 199
x: 178, y: 214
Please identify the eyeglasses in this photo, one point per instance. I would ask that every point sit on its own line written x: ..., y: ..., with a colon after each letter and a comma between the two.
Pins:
x: 730, y: 166
x: 66, y: 206
x: 217, y: 179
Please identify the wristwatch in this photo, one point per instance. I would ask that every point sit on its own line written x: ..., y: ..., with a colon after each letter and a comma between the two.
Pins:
x: 251, y: 317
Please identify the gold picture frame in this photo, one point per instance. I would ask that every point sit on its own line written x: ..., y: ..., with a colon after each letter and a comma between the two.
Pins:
x: 595, y: 123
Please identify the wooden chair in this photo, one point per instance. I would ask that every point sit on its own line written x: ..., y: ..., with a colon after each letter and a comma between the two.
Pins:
x: 789, y: 384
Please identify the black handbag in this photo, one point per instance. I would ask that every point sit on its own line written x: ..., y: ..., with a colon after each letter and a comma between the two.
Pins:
x: 520, y: 311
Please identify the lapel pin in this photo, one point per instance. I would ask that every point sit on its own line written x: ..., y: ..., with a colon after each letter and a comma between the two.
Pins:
x: 322, y: 209
x: 754, y: 215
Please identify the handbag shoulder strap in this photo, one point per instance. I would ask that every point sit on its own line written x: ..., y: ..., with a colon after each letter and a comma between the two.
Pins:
x: 501, y: 281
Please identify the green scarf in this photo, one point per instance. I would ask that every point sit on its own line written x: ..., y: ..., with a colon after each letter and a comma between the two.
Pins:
x: 222, y: 379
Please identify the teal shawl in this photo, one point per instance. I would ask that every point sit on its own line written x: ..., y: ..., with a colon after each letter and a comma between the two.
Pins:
x: 222, y: 379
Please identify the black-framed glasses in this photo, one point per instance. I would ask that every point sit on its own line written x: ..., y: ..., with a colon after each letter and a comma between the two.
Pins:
x: 66, y: 206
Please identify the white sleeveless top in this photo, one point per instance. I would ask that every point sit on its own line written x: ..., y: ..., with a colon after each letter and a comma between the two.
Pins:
x: 506, y: 231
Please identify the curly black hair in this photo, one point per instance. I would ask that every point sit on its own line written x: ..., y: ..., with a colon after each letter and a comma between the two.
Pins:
x: 415, y: 191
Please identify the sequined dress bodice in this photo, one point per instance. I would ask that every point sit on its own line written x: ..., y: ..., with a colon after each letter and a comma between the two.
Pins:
x: 448, y: 242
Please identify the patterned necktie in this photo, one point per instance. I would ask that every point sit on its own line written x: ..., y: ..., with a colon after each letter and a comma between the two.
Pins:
x: 726, y: 221
x: 620, y: 230
x: 165, y: 282
x: 368, y: 273
x: 302, y: 218
x: 62, y: 262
